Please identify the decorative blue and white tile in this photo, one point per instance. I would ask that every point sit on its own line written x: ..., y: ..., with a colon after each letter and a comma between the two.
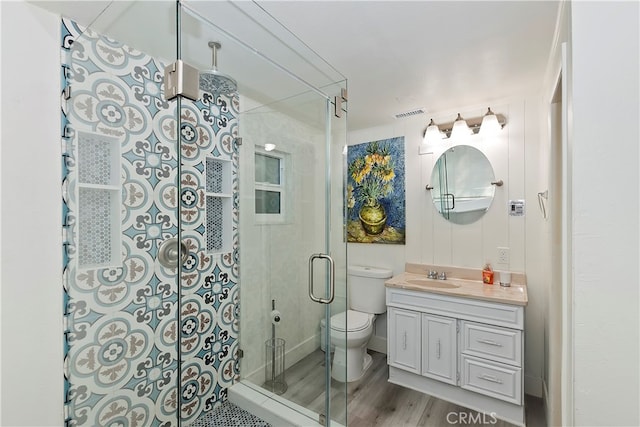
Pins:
x: 122, y: 320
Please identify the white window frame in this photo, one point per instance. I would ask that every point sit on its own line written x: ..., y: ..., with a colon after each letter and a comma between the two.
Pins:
x: 273, y: 218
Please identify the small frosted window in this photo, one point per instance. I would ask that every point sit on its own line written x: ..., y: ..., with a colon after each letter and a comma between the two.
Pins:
x: 270, y: 170
x: 268, y: 202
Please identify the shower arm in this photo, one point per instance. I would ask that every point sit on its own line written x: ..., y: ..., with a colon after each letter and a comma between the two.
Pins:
x: 214, y: 54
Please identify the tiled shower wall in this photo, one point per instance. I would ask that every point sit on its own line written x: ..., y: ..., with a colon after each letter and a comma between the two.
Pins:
x: 139, y: 346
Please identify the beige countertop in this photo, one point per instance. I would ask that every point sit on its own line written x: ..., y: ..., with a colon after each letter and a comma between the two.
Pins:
x: 515, y: 294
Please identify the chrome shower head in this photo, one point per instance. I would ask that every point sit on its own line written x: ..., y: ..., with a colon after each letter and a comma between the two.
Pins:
x: 212, y: 80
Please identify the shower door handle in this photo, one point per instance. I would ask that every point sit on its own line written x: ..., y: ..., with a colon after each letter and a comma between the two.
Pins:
x: 332, y: 279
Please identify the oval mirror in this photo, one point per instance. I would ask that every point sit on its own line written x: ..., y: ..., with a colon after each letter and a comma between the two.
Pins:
x: 461, y: 179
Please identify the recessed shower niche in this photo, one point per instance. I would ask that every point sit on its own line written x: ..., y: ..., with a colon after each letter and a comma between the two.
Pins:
x: 219, y: 205
x: 99, y: 195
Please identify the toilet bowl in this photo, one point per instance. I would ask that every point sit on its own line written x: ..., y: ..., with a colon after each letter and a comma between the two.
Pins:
x: 351, y: 360
x: 352, y: 329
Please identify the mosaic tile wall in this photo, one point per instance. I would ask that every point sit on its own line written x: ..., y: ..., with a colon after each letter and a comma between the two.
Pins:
x: 139, y: 347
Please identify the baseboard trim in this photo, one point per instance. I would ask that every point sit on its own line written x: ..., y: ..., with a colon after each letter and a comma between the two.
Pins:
x: 292, y: 356
x: 378, y: 344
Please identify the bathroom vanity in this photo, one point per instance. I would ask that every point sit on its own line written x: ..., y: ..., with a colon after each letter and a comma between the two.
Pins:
x: 458, y: 339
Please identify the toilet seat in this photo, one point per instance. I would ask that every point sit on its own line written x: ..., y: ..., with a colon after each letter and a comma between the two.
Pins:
x: 356, y: 321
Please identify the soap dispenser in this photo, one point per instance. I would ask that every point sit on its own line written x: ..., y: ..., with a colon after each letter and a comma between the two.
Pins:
x: 487, y: 274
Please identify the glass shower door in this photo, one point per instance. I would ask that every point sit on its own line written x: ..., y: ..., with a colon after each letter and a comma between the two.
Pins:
x: 279, y: 201
x: 292, y: 247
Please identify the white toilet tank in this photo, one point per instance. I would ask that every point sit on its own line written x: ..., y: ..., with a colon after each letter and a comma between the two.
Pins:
x: 366, y: 288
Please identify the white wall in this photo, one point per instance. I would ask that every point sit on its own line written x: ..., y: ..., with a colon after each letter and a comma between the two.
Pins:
x: 605, y: 87
x: 515, y: 157
x: 32, y: 377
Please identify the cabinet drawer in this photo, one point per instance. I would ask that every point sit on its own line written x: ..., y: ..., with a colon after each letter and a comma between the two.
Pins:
x: 491, y: 342
x: 492, y: 379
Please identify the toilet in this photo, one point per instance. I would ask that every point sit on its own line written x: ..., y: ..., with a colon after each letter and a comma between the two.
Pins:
x: 366, y: 299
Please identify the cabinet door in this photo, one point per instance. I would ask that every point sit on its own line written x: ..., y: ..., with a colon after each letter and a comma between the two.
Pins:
x: 403, y: 339
x: 439, y: 348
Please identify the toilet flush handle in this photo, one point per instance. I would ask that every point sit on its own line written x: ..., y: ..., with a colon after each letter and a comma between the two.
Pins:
x: 332, y: 282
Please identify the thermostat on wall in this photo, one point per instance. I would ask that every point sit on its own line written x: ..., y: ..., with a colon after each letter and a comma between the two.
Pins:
x: 516, y: 207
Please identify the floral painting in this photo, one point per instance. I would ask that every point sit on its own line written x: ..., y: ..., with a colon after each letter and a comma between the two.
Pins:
x: 375, y: 192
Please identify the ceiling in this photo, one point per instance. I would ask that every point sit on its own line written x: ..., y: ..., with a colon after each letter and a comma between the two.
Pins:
x: 436, y: 55
x: 397, y: 55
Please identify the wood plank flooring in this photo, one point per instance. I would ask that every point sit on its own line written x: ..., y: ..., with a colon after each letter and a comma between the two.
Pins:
x: 372, y: 401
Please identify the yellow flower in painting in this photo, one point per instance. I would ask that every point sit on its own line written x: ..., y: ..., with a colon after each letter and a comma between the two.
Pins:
x: 387, y: 175
x: 372, y: 174
x: 362, y: 174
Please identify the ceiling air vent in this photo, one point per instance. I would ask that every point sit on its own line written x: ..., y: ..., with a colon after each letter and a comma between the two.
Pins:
x: 410, y: 113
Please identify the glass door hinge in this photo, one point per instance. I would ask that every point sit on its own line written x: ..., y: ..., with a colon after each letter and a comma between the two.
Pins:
x: 337, y: 102
x: 181, y: 79
x: 240, y: 353
x: 322, y: 419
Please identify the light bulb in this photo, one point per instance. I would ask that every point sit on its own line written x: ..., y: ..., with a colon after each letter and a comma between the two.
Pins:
x: 460, y: 128
x: 490, y: 125
x: 432, y: 134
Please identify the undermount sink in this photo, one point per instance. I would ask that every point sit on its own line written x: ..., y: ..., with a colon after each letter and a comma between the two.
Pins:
x: 430, y: 283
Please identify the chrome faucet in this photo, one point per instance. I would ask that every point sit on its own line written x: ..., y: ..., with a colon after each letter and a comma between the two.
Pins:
x: 433, y: 274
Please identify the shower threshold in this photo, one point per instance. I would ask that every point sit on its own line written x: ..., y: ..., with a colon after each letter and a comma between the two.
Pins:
x: 270, y: 407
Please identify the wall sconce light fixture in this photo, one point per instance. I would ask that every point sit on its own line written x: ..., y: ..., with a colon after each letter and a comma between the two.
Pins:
x: 487, y: 124
x: 433, y: 133
x: 460, y: 128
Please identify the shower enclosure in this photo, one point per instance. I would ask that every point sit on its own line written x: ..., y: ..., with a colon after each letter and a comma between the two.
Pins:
x: 190, y: 210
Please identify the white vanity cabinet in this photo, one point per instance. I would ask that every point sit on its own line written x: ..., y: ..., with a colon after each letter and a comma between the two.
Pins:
x: 463, y: 350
